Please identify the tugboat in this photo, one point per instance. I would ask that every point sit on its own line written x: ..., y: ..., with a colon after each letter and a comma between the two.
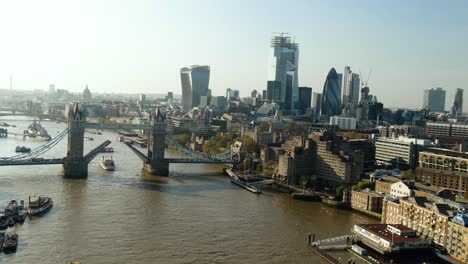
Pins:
x: 106, y: 163
x: 22, y: 213
x: 10, y: 244
x: 22, y: 149
x: 12, y: 209
x: 39, y: 206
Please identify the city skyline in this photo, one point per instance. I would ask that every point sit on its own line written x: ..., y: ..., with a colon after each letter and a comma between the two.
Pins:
x: 117, y: 51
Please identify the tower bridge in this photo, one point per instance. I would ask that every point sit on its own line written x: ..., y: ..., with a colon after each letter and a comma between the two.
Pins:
x: 75, y: 163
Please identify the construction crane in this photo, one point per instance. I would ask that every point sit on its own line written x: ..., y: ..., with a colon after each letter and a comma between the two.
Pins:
x: 366, y: 83
x: 281, y: 33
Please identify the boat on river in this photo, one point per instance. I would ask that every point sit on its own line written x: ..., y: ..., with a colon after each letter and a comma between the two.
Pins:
x: 39, y: 206
x: 2, y: 239
x: 5, y: 222
x: 22, y: 213
x: 107, y: 163
x: 12, y: 209
x: 36, y: 130
x: 10, y: 244
x: 22, y: 149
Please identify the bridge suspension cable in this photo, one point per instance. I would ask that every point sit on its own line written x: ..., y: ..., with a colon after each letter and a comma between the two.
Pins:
x: 41, y: 149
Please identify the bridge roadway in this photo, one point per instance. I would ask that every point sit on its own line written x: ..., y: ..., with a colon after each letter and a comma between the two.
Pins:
x: 30, y: 162
x: 60, y: 161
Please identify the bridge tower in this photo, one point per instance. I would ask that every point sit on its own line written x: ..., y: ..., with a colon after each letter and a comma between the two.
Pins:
x: 74, y: 165
x: 156, y: 164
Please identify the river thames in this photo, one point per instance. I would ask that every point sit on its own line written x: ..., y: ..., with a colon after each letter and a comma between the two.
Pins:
x: 193, y: 216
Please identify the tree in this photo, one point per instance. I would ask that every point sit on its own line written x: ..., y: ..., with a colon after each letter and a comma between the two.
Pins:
x: 182, y: 138
x: 364, y: 185
x: 294, y: 129
x: 339, y: 191
x: 313, y: 181
x: 303, y: 181
x: 263, y: 127
x: 408, y: 175
x: 246, y: 163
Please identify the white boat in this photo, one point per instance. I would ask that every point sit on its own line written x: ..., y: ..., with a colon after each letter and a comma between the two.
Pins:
x: 107, y: 163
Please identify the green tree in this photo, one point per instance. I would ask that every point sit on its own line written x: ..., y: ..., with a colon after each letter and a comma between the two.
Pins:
x: 339, y: 191
x: 247, y: 163
x: 364, y: 185
x: 263, y: 126
x: 465, y: 196
x: 182, y: 138
x: 313, y: 181
x: 293, y: 128
x: 408, y: 175
x: 303, y: 181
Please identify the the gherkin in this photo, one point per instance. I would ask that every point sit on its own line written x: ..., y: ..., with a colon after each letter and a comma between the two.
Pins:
x: 331, y: 98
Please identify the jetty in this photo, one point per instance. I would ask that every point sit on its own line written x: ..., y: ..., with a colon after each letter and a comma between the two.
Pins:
x: 235, y: 179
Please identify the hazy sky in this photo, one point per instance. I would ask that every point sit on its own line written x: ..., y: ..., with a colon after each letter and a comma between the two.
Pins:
x: 139, y: 46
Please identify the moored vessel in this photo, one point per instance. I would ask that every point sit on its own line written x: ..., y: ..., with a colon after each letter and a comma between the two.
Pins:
x: 2, y: 239
x: 36, y: 130
x: 107, y: 163
x: 5, y: 222
x: 39, y: 206
x: 10, y: 244
x: 22, y: 149
x: 22, y: 213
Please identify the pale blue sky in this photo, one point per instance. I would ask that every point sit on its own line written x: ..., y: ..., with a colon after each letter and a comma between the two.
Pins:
x: 139, y: 46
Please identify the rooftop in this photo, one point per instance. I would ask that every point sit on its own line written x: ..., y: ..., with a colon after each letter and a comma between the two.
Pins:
x: 381, y: 231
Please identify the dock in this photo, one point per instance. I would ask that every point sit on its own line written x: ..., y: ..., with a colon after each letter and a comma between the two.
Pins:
x: 236, y: 181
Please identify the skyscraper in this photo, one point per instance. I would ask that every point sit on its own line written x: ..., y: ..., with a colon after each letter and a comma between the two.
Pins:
x: 286, y: 54
x: 351, y: 87
x: 346, y: 84
x: 305, y: 98
x: 355, y: 87
x: 195, y: 81
x: 229, y: 94
x: 457, y: 107
x: 274, y: 91
x: 331, y: 96
x: 317, y: 104
x: 434, y: 100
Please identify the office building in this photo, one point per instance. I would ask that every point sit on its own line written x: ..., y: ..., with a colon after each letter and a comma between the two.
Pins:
x: 236, y: 94
x: 346, y: 85
x: 343, y: 122
x: 331, y: 96
x: 274, y: 91
x: 219, y: 103
x: 457, y: 107
x: 401, y: 152
x: 441, y: 129
x: 195, y: 81
x: 317, y: 104
x: 229, y: 93
x: 264, y: 94
x: 305, y: 99
x: 351, y: 87
x: 286, y: 56
x: 434, y: 100
x: 334, y: 164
